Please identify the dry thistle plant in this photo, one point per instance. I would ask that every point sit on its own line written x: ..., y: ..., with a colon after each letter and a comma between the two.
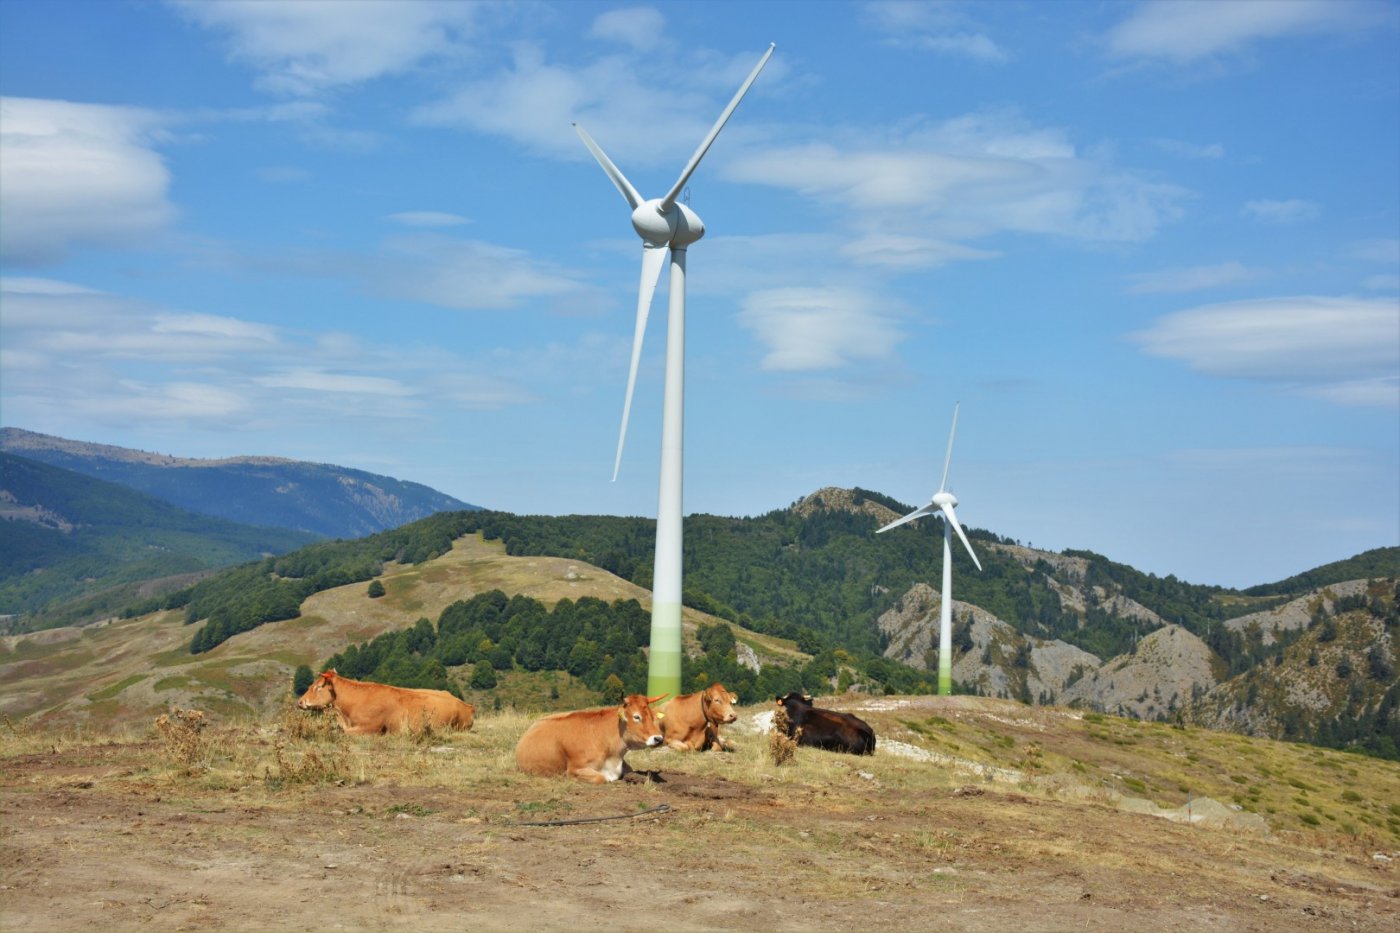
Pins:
x: 304, y: 726
x: 310, y: 768
x: 780, y: 745
x: 181, y: 732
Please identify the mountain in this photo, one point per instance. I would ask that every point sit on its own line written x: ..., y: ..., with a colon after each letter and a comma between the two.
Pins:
x: 325, y: 500
x: 66, y: 535
x: 811, y: 600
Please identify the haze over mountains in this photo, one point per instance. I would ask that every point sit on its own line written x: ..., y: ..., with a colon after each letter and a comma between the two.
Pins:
x: 327, y: 501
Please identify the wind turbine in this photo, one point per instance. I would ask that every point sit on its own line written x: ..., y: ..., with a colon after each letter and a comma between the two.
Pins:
x: 943, y: 503
x: 665, y: 224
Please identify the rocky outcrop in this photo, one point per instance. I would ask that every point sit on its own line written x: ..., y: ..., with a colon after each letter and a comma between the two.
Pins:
x: 836, y: 499
x: 1296, y: 614
x: 989, y: 655
x: 1168, y: 669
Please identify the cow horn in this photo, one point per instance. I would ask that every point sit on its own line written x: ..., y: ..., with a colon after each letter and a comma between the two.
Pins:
x: 657, y: 699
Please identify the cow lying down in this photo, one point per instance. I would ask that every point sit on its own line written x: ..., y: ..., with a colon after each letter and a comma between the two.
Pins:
x: 691, y: 722
x: 365, y: 708
x: 590, y: 744
x: 826, y: 728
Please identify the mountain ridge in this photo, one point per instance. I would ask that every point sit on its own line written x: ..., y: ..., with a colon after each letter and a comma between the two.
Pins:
x: 324, y: 499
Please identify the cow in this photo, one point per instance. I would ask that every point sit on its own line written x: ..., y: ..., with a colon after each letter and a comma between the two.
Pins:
x: 826, y: 728
x: 590, y: 744
x: 691, y: 722
x: 365, y: 708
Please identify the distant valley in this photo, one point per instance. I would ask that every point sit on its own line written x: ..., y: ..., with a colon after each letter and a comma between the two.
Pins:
x: 90, y: 528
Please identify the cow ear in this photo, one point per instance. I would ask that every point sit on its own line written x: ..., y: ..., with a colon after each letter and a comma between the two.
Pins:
x: 622, y: 713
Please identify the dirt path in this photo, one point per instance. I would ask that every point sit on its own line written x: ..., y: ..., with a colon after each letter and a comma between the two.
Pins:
x: 90, y: 839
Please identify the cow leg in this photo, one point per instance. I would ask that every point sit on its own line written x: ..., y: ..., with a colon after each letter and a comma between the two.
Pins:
x: 363, y: 730
x: 591, y: 775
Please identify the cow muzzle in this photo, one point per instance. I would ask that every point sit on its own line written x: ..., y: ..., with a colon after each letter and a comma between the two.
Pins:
x: 654, y: 740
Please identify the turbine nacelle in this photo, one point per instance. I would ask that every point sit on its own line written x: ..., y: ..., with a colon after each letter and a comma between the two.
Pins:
x: 677, y: 227
x: 944, y: 499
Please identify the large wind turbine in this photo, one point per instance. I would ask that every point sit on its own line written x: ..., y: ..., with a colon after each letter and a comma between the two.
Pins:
x: 664, y: 223
x: 943, y: 503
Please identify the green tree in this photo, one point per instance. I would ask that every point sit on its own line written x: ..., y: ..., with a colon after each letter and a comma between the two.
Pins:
x: 301, y: 680
x: 376, y: 589
x: 483, y: 675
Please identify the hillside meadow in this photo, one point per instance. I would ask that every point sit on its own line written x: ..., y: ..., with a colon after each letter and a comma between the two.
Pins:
x: 983, y: 814
x: 126, y: 671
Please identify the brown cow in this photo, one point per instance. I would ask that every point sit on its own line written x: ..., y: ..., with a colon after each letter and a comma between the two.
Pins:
x: 691, y: 722
x: 590, y: 744
x: 366, y: 708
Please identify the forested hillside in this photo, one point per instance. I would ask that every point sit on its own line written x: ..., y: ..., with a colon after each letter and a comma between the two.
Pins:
x: 66, y: 536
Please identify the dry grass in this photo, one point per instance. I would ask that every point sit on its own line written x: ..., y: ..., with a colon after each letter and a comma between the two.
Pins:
x: 781, y: 746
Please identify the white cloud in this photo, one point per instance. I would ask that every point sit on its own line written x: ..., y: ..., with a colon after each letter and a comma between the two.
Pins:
x: 314, y: 380
x: 1187, y: 150
x: 76, y: 355
x: 305, y: 47
x: 1377, y: 250
x: 1337, y: 348
x: 468, y: 274
x: 1186, y: 31
x: 283, y: 174
x: 818, y: 328
x: 428, y: 219
x: 909, y: 252
x: 971, y: 176
x: 636, y: 118
x: 78, y: 174
x: 1380, y: 392
x: 640, y: 27
x: 1294, y: 210
x: 943, y: 28
x: 1190, y: 279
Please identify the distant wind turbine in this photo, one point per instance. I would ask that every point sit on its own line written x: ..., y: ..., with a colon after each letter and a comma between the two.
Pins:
x: 664, y: 224
x: 943, y: 503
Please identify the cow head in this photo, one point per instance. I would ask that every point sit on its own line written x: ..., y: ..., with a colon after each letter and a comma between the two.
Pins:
x: 641, y: 726
x: 717, y: 704
x: 321, y: 693
x: 794, y: 702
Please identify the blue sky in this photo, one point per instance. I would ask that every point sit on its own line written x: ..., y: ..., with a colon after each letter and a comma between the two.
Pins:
x: 1152, y: 248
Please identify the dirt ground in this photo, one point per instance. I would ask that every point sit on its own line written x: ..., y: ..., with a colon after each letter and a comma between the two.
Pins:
x: 91, y: 838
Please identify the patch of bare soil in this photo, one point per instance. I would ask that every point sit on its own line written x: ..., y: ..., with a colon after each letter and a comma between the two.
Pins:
x: 96, y: 838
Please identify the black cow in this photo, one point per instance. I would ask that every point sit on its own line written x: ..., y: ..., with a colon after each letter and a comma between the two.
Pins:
x: 826, y: 728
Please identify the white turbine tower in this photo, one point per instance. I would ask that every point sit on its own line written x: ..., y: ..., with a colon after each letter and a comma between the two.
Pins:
x: 664, y: 224
x: 943, y: 503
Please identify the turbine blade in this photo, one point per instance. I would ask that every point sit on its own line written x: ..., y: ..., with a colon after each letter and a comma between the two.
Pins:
x: 952, y: 519
x: 948, y: 458
x: 669, y: 201
x: 653, y: 258
x: 917, y: 513
x: 618, y: 179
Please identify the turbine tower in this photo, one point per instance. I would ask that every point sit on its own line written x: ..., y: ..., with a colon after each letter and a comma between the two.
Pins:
x: 943, y: 503
x: 665, y: 224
